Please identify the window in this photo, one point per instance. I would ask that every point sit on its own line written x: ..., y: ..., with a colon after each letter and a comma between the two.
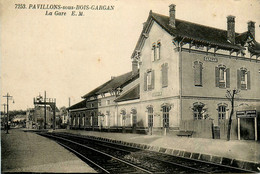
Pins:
x: 108, y: 102
x: 83, y: 120
x: 222, y: 112
x: 94, y: 119
x: 150, y: 116
x: 123, y: 116
x: 198, y: 73
x: 99, y: 102
x: 159, y: 50
x: 222, y: 75
x: 134, y: 116
x: 92, y: 105
x: 156, y: 51
x: 243, y: 79
x: 198, y: 111
x: 165, y: 110
x: 165, y: 75
x: 149, y: 80
x: 107, y: 118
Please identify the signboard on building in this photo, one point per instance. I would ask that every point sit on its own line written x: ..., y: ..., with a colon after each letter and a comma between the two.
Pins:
x: 156, y: 94
x: 210, y: 59
x: 246, y: 114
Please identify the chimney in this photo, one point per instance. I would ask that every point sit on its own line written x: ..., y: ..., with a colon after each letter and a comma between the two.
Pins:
x: 251, y: 28
x: 172, y: 16
x: 231, y: 29
x: 134, y: 66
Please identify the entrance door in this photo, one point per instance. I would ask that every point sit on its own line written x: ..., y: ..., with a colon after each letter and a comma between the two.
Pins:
x: 150, y: 120
x: 166, y: 119
x: 247, y: 129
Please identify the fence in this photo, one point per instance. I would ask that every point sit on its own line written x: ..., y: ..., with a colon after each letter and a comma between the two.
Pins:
x: 201, y: 128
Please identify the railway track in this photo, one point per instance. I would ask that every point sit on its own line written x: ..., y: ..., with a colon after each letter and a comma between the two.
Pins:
x: 125, y: 159
x: 102, y: 162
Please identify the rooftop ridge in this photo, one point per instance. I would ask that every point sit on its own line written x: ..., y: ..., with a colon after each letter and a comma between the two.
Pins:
x: 181, y: 20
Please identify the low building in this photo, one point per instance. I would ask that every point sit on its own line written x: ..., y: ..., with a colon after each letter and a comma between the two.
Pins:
x: 98, y: 110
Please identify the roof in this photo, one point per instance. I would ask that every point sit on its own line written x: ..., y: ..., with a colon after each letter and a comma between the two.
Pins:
x: 78, y: 105
x: 132, y: 94
x: 113, y: 84
x: 253, y: 45
x: 192, y: 31
x: 94, y: 92
x: 254, y: 48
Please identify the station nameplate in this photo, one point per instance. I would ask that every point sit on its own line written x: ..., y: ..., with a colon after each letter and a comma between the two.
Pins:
x: 210, y: 59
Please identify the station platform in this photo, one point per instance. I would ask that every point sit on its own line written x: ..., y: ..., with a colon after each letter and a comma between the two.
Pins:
x: 28, y: 152
x: 245, y: 153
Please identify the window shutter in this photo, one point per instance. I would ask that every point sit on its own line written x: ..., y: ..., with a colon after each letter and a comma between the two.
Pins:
x: 238, y: 79
x: 248, y: 80
x: 152, y: 80
x: 200, y: 69
x: 155, y: 53
x: 165, y: 75
x: 196, y: 74
x: 217, y: 76
x: 228, y: 78
x: 145, y: 81
x: 152, y: 54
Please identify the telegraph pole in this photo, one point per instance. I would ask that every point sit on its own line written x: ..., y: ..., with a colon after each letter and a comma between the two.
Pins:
x: 8, y: 97
x: 4, y: 116
x: 44, y: 109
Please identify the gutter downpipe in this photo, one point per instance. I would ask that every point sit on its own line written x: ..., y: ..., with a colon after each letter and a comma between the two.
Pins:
x: 180, y: 76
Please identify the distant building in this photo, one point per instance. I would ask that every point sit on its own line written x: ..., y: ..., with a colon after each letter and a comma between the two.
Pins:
x: 35, y: 117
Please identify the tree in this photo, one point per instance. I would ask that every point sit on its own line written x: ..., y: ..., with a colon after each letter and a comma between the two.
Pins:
x: 231, y: 96
x: 200, y: 108
x: 63, y: 110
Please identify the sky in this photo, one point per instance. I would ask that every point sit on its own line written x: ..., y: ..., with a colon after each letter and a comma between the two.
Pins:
x: 68, y: 56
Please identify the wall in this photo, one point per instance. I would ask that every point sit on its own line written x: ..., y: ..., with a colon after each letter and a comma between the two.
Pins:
x: 209, y: 88
x: 168, y: 55
x: 160, y: 95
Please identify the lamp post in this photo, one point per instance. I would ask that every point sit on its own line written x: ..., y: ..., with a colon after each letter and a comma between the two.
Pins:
x: 8, y: 97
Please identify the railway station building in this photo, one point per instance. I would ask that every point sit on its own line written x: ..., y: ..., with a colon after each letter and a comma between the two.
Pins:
x: 181, y: 75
